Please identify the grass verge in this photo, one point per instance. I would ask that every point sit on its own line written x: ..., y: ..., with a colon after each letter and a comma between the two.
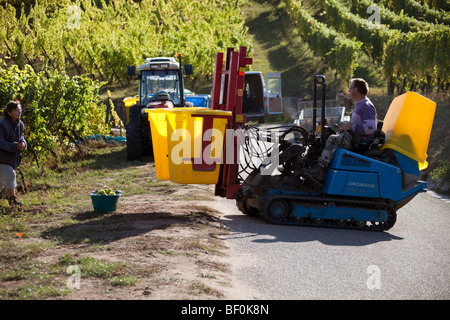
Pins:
x: 56, y: 238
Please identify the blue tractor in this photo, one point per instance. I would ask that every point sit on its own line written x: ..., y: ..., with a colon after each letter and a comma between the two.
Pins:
x: 364, y: 187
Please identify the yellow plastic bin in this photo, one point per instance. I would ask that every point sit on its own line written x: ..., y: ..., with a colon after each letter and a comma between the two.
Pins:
x: 158, y: 125
x: 407, y: 126
x: 128, y: 103
x: 195, y: 144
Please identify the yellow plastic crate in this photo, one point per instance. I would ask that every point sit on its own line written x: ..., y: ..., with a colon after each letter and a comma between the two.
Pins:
x: 192, y: 157
x: 407, y: 126
x: 158, y: 126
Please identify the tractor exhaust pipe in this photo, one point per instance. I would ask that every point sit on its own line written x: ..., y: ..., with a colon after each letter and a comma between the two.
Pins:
x: 180, y: 71
x: 318, y: 77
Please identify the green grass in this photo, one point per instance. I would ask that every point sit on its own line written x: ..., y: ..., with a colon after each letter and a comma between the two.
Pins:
x: 34, y: 291
x: 58, y: 213
x: 120, y: 281
x: 91, y: 267
x: 66, y: 187
x: 43, y: 278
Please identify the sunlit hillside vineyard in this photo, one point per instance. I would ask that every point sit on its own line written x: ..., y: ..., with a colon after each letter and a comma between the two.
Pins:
x: 55, y: 56
x: 58, y: 55
x: 408, y: 42
x: 104, y: 37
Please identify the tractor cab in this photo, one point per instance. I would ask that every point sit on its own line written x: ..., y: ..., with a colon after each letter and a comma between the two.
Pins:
x: 160, y: 86
x: 159, y: 76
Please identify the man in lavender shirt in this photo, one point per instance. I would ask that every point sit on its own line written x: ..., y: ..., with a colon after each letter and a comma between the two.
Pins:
x: 363, y: 122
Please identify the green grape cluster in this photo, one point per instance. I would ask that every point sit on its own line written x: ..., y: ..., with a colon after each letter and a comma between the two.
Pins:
x: 106, y: 192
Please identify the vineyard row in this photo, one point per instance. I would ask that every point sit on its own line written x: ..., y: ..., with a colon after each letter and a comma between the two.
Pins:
x: 418, y: 59
x: 106, y: 38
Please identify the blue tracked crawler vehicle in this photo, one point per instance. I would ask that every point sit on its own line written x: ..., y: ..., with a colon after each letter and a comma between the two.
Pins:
x: 364, y: 187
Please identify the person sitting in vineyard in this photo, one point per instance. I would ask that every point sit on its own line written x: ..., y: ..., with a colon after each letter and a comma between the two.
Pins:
x: 363, y: 125
x: 12, y: 143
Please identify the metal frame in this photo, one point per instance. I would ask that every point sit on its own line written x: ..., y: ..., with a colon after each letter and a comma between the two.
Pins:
x: 227, y: 94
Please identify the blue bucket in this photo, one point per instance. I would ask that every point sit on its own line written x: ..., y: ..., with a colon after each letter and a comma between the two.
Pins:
x: 105, y: 203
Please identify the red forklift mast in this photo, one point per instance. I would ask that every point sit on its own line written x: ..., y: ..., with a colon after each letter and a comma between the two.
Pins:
x: 227, y: 94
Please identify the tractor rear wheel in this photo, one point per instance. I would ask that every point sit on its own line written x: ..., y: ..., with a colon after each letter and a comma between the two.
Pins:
x: 134, y: 136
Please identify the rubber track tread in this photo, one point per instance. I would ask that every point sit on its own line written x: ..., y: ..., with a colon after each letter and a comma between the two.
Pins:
x: 332, y: 223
